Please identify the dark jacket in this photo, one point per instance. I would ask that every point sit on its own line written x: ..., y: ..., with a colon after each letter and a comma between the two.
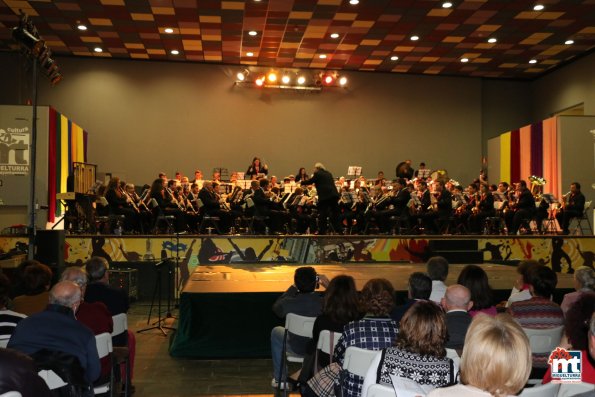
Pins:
x: 457, y: 323
x: 325, y: 185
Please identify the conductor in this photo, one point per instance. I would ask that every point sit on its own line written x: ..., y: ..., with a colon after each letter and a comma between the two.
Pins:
x: 328, y: 197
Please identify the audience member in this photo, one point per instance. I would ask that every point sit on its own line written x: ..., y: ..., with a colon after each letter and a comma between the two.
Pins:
x: 418, y: 353
x: 539, y: 312
x: 37, y: 280
x: 18, y: 372
x: 476, y: 280
x: 375, y: 331
x: 456, y: 304
x: 578, y: 336
x: 496, y: 361
x: 17, y: 287
x: 341, y: 305
x: 437, y: 268
x: 300, y: 298
x: 584, y: 281
x: 520, y: 289
x: 8, y: 318
x: 419, y: 288
x: 56, y: 329
x: 92, y: 314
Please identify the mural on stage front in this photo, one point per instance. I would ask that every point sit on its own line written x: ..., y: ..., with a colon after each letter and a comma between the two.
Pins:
x: 561, y: 253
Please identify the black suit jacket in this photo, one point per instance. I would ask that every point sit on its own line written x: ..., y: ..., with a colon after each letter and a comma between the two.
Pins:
x: 325, y: 185
x: 457, y: 324
x: 400, y: 200
x: 526, y: 200
x: 262, y: 204
x: 209, y: 200
x: 445, y: 203
x: 576, y: 203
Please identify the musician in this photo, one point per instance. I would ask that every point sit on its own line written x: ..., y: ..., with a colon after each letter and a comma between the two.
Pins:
x: 302, y: 175
x: 301, y: 218
x: 256, y: 168
x: 120, y: 204
x: 380, y: 180
x: 145, y: 214
x: 443, y: 208
x: 404, y: 170
x: 523, y: 209
x: 211, y: 206
x: 264, y: 206
x: 165, y: 205
x: 328, y: 197
x: 178, y: 176
x: 464, y: 212
x: 394, y: 205
x: 484, y: 209
x: 216, y: 177
x: 573, y: 207
x: 197, y: 176
x: 273, y: 183
x: 163, y: 176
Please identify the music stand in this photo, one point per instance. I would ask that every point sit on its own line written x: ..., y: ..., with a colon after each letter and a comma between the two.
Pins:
x: 157, y: 291
x: 354, y: 170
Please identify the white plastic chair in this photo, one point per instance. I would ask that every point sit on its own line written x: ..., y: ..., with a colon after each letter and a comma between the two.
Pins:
x: 51, y: 379
x: 358, y: 360
x: 571, y: 389
x: 327, y: 341
x: 543, y: 341
x: 379, y: 391
x: 11, y: 394
x: 121, y: 354
x: 299, y: 326
x: 454, y: 356
x: 4, y: 343
x: 104, y: 349
x: 547, y: 390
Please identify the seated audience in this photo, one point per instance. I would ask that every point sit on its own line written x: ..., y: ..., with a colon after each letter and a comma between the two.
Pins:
x: 375, y: 331
x: 456, y: 303
x: 92, y: 314
x: 341, y: 305
x: 56, y: 329
x: 418, y: 353
x: 539, y: 312
x: 8, y: 318
x: 520, y: 289
x: 578, y: 335
x: 420, y: 288
x: 437, y: 268
x: 476, y: 280
x: 37, y: 280
x: 584, y: 281
x: 18, y: 372
x: 496, y: 361
x: 18, y: 280
x: 301, y: 299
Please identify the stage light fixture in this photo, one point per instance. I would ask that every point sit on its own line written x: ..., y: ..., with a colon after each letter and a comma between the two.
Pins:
x: 301, y: 80
x: 343, y: 81
x: 272, y: 77
x: 328, y: 79
x: 286, y: 79
x: 259, y: 81
x: 29, y: 41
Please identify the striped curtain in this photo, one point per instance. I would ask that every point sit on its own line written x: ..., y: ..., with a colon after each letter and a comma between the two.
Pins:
x: 67, y: 145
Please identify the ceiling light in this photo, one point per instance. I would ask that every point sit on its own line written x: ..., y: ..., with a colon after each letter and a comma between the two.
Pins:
x: 272, y: 77
x: 82, y: 27
x: 343, y: 81
x: 334, y: 35
x: 253, y: 33
x: 569, y: 42
x: 285, y: 79
x: 249, y: 54
x: 168, y: 30
x: 353, y: 2
x: 174, y: 52
x: 328, y: 79
x: 301, y: 80
x: 446, y: 4
x: 322, y: 56
x: 259, y: 81
x: 464, y: 60
x: 533, y: 61
x: 241, y: 76
x: 394, y: 58
x: 492, y: 40
x: 538, y: 7
x: 414, y: 38
x: 98, y: 49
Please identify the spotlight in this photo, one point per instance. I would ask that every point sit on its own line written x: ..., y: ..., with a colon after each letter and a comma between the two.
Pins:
x: 98, y: 49
x: 259, y: 81
x: 334, y: 35
x: 253, y: 33
x: 446, y: 4
x: 538, y: 7
x: 249, y: 54
x: 343, y: 81
x: 322, y: 56
x: 533, y: 61
x: 301, y: 80
x: 174, y: 52
x: 30, y: 42
x: 272, y: 77
x: 569, y: 42
x: 353, y: 2
x: 81, y: 27
x: 492, y: 40
x: 168, y: 30
x: 285, y: 79
x: 240, y: 76
x: 464, y: 60
x: 394, y: 58
x: 414, y: 38
x: 328, y: 79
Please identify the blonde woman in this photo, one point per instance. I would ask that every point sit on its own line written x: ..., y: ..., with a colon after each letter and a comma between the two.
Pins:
x: 496, y: 360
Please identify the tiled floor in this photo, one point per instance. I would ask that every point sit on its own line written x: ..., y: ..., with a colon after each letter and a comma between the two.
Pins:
x: 159, y: 375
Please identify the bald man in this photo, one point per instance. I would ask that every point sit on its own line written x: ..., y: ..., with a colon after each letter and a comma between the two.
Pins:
x: 56, y: 329
x: 456, y: 303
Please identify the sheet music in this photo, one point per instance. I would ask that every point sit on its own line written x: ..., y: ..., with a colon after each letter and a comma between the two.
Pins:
x: 354, y: 170
x: 408, y: 388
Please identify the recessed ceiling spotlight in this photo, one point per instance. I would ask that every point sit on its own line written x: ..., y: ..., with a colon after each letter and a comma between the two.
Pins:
x: 174, y: 52
x: 446, y: 4
x: 569, y: 42
x: 353, y: 2
x: 394, y: 58
x: 168, y: 30
x: 249, y: 54
x: 334, y: 35
x: 301, y: 80
x: 82, y: 27
x: 538, y: 7
x: 322, y: 56
x: 98, y: 49
x: 343, y: 81
x: 285, y: 79
x: 492, y: 40
x: 464, y: 60
x: 414, y: 38
x: 533, y: 61
x: 253, y: 33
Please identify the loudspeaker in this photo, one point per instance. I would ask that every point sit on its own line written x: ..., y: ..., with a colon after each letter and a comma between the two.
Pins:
x: 49, y: 249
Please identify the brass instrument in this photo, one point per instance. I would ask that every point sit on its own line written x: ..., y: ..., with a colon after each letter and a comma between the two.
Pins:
x: 564, y: 199
x: 174, y: 200
x: 129, y: 199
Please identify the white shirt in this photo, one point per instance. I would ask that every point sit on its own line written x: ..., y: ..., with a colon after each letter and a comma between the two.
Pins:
x: 518, y: 296
x: 438, y: 291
